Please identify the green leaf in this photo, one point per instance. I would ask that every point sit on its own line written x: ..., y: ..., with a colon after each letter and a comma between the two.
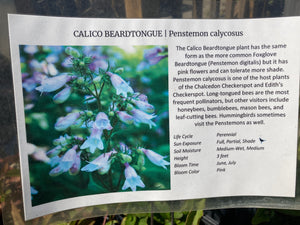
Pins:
x: 178, y: 215
x: 140, y: 215
x: 201, y: 204
x: 129, y: 220
x: 198, y: 216
x: 143, y: 221
x: 112, y: 222
x: 190, y: 217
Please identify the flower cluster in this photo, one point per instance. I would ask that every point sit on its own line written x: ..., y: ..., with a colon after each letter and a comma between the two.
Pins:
x: 88, y: 142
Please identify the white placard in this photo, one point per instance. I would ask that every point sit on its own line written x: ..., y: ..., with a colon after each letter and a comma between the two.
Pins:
x: 232, y: 92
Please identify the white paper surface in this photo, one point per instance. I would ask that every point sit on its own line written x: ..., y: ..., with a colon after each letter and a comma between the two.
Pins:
x: 233, y: 88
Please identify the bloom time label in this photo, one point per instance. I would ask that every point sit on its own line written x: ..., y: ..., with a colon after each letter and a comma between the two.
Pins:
x: 113, y: 110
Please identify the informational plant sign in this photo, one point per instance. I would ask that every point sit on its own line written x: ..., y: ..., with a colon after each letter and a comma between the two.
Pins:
x: 126, y: 110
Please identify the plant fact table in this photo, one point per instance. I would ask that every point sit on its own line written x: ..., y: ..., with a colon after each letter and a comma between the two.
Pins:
x: 113, y: 110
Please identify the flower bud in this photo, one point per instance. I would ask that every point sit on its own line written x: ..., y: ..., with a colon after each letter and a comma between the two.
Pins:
x: 119, y: 70
x: 126, y: 158
x: 81, y: 63
x: 80, y: 80
x: 139, y: 150
x: 129, y: 107
x: 89, y: 113
x: 141, y: 161
x: 111, y: 113
x: 72, y: 52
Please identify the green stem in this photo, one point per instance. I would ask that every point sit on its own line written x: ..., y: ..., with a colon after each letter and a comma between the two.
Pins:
x: 108, y: 136
x: 110, y: 180
x: 101, y: 89
x: 97, y: 94
x: 100, y: 181
x: 119, y: 182
x: 91, y: 92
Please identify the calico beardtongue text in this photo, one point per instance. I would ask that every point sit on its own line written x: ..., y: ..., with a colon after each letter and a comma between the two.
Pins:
x: 153, y: 33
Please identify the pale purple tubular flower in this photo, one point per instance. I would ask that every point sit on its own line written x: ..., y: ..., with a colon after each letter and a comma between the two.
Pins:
x: 62, y: 96
x: 40, y: 155
x: 125, y: 117
x: 30, y: 83
x: 65, y: 122
x: 62, y: 140
x: 38, y: 77
x: 142, y: 117
x: 54, y: 161
x: 72, y: 52
x: 33, y: 191
x: 66, y: 162
x: 67, y: 63
x: 132, y: 179
x: 94, y: 140
x: 123, y: 147
x: 146, y: 80
x: 143, y: 98
x: 102, y: 122
x: 36, y: 65
x: 54, y: 151
x: 76, y: 165
x: 152, y: 52
x: 155, y: 158
x: 144, y: 106
x: 30, y: 49
x: 52, y: 58
x: 51, y: 69
x: 92, y: 51
x: 156, y: 59
x: 120, y: 85
x: 98, y: 64
x: 28, y: 106
x: 101, y: 163
x: 142, y: 66
x: 152, y: 55
x: 53, y: 83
